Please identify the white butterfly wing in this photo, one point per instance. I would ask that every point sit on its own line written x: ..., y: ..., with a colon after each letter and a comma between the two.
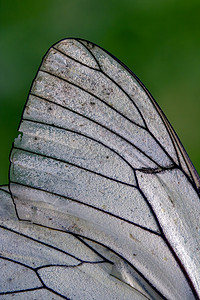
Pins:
x: 98, y: 158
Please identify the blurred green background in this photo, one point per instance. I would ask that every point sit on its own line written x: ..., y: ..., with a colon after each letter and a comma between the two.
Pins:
x: 158, y: 40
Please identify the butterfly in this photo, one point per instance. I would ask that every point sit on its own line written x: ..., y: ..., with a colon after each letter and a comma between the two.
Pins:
x: 103, y: 200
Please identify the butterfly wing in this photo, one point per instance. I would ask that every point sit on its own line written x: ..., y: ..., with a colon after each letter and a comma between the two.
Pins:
x: 96, y: 157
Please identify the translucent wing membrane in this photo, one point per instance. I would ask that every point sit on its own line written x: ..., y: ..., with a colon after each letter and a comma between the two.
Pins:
x: 110, y: 192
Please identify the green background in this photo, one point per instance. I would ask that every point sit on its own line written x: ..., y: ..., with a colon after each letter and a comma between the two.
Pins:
x: 159, y: 40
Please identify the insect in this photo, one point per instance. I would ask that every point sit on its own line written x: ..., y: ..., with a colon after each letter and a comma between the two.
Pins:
x: 103, y: 200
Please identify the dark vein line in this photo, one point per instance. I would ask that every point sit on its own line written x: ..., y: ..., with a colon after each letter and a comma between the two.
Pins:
x: 169, y: 131
x: 105, y: 260
x: 7, y: 192
x: 56, y: 293
x: 94, y: 250
x: 150, y: 207
x: 103, y: 126
x: 159, y: 112
x: 111, y: 79
x: 182, y: 151
x: 48, y: 288
x: 156, y: 107
x: 162, y: 147
x: 38, y: 241
x: 60, y: 266
x: 33, y: 289
x: 22, y: 291
x: 74, y: 59
x: 22, y: 264
x: 156, y: 170
x: 134, y: 288
x: 13, y: 202
x: 72, y: 266
x: 88, y: 205
x: 16, y: 262
x: 77, y: 166
x: 83, y: 45
x: 182, y: 268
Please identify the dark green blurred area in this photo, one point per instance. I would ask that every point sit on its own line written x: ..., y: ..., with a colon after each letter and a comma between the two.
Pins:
x: 158, y: 40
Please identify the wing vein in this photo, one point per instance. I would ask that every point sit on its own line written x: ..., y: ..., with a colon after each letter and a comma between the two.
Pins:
x: 76, y: 60
x: 111, y: 79
x: 39, y: 242
x: 75, y: 165
x: 88, y: 205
